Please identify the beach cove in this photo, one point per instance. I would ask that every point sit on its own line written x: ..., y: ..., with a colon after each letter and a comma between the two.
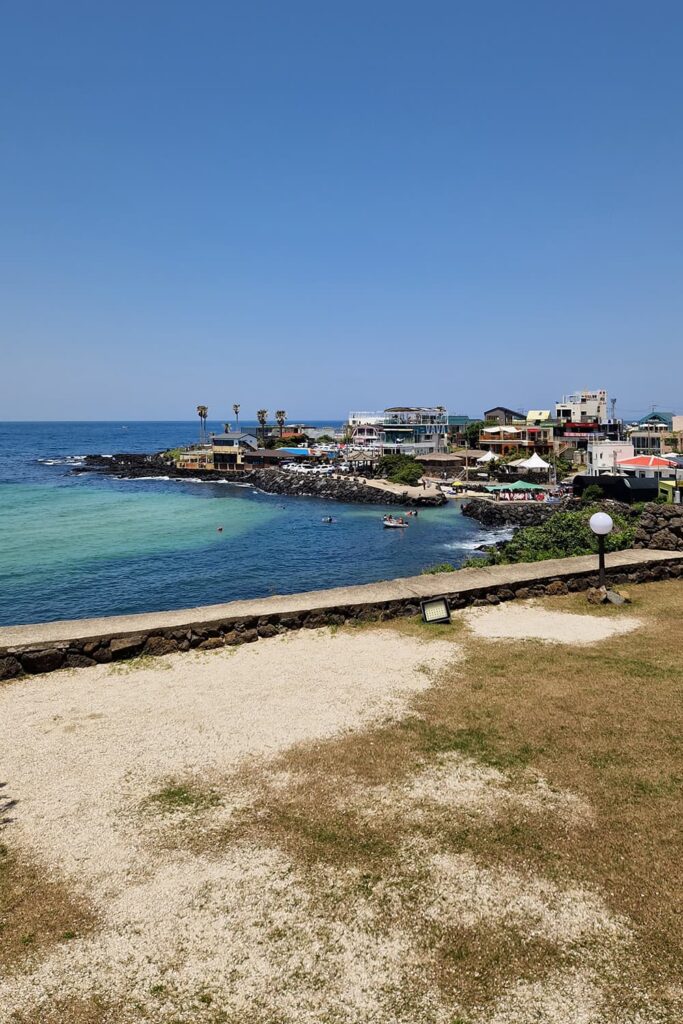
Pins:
x: 82, y: 545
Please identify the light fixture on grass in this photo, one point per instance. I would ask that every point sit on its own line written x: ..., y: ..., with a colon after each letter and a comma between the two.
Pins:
x: 436, y: 610
x: 601, y: 524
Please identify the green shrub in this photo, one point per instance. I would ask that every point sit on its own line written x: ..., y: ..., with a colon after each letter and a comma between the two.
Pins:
x: 400, y: 469
x: 593, y: 492
x: 442, y: 567
x: 562, y: 535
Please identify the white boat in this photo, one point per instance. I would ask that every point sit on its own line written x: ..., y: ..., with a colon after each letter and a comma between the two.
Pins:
x: 393, y: 524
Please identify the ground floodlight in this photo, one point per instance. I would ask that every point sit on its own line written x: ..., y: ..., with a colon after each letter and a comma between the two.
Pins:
x: 436, y: 610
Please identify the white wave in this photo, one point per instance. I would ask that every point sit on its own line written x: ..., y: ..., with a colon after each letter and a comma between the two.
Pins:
x: 144, y: 478
x: 66, y: 460
x: 487, y: 537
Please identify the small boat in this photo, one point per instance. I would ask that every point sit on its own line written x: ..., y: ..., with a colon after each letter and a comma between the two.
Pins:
x: 389, y: 523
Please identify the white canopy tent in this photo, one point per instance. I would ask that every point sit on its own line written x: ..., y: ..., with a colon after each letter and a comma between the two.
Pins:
x: 500, y: 430
x: 534, y: 462
x: 488, y: 457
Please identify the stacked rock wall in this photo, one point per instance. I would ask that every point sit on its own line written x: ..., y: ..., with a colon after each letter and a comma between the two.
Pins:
x: 661, y: 528
x: 19, y: 660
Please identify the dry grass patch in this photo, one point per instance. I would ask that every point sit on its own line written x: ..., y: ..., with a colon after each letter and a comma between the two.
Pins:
x: 37, y: 911
x: 93, y: 1010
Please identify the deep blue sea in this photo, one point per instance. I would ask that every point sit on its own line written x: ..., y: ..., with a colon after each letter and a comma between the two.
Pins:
x: 73, y: 546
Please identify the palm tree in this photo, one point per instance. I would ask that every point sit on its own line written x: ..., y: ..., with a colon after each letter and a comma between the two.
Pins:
x: 236, y: 410
x: 202, y: 412
x: 262, y: 417
x: 280, y: 417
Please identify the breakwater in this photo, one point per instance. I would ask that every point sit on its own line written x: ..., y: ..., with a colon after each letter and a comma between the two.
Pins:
x: 133, y: 466
x: 336, y: 487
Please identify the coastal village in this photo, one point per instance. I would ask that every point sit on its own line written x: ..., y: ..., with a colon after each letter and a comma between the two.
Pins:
x: 578, y: 443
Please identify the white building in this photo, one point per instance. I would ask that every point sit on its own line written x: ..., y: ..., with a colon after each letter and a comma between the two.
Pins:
x: 414, y: 430
x: 603, y: 456
x: 649, y: 467
x: 582, y: 407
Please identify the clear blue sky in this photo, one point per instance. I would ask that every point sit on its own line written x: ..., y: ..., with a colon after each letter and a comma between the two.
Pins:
x: 331, y: 205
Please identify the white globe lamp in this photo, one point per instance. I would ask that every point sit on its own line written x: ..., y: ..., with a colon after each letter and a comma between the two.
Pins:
x: 601, y: 524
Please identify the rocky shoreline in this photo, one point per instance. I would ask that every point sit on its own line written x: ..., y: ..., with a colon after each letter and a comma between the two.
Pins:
x: 272, y: 481
x: 508, y: 513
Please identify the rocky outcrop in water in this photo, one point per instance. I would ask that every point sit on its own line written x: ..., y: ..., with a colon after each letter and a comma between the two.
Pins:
x: 508, y: 513
x: 130, y: 465
x: 133, y: 467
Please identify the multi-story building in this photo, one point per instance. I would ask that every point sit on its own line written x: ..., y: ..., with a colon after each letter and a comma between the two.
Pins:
x: 414, y: 430
x: 504, y: 440
x: 602, y: 457
x: 502, y: 416
x: 649, y: 435
x: 582, y: 407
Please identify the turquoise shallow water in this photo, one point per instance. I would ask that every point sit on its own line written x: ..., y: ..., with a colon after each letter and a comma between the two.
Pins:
x: 74, y: 546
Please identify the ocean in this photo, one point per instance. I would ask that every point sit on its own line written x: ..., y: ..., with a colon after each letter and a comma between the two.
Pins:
x: 75, y: 546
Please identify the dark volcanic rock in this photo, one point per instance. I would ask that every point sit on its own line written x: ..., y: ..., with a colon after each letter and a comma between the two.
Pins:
x: 509, y: 513
x: 76, y: 660
x: 125, y: 646
x: 10, y: 667
x: 42, y: 661
x: 274, y: 481
x: 157, y: 645
x: 660, y: 527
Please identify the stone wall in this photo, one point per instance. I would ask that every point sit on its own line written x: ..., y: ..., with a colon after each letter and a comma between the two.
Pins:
x: 661, y: 528
x: 506, y: 585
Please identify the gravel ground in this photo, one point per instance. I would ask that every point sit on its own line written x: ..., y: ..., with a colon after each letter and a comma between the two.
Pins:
x: 528, y: 622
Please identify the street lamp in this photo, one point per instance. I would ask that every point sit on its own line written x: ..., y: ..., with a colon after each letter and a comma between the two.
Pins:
x: 601, y: 524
